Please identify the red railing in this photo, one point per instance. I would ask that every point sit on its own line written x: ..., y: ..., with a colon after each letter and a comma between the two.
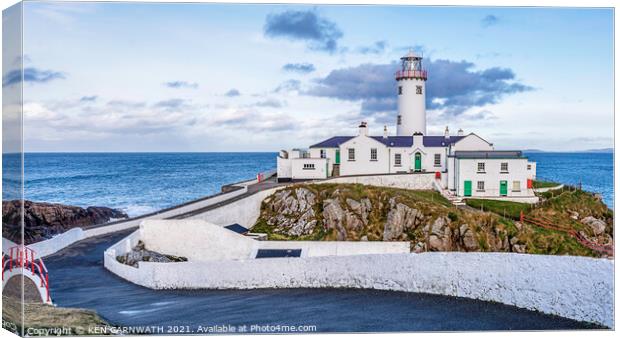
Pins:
x: 23, y: 257
x: 548, y: 224
x: 411, y: 74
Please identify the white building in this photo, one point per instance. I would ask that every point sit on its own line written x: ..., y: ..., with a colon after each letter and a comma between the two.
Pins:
x: 466, y: 165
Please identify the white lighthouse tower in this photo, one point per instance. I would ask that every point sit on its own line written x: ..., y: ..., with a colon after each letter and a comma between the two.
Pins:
x: 411, y: 96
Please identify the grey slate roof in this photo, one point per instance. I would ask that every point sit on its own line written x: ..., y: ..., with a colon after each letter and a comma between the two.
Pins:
x: 392, y: 141
x: 497, y: 154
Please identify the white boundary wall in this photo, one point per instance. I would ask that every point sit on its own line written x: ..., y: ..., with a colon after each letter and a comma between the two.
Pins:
x: 244, y: 211
x: 59, y: 242
x: 579, y: 288
x: 417, y: 181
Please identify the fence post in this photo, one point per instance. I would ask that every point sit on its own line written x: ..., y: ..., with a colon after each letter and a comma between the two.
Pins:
x: 521, y: 216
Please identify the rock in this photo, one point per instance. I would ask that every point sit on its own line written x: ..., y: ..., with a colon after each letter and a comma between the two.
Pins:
x: 364, y: 238
x: 598, y: 226
x: 400, y: 218
x: 339, y: 219
x: 44, y: 220
x: 574, y: 215
x: 435, y: 243
x: 469, y: 239
x: 140, y: 254
x: 419, y: 247
x: 519, y: 248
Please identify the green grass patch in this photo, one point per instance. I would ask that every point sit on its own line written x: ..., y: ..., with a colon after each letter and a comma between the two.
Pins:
x: 544, y: 184
x: 503, y: 208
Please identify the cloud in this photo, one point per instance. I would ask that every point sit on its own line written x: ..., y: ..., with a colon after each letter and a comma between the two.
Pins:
x: 88, y: 98
x: 181, y: 84
x: 376, y: 48
x: 489, y: 20
x: 299, y: 67
x: 31, y: 75
x: 256, y: 121
x: 453, y: 87
x: 317, y: 32
x: 272, y: 103
x: 233, y: 92
x: 171, y: 104
x: 288, y: 85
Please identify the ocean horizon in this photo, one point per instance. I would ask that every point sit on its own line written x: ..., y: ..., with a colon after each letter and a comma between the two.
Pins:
x: 144, y: 182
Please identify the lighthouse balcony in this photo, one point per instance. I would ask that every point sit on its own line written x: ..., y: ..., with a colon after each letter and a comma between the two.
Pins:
x: 411, y: 74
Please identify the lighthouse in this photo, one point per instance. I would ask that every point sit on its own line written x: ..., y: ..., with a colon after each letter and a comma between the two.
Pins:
x: 411, y: 80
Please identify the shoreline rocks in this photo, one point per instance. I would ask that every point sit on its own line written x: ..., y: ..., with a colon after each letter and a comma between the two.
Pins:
x: 43, y: 220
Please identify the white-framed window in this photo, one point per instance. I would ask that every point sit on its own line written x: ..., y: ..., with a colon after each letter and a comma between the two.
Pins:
x: 516, y: 185
x: 398, y: 160
x: 308, y: 166
x: 480, y: 167
x: 480, y: 185
x: 503, y: 167
x: 399, y: 120
x: 323, y: 153
x: 373, y: 154
x: 400, y: 90
x: 437, y: 160
x: 418, y: 89
x: 351, y: 154
x: 529, y: 167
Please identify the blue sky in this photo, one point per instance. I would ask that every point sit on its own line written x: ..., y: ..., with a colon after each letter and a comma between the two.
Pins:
x: 202, y: 77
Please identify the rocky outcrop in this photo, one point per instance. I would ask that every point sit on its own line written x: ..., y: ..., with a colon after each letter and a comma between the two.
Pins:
x: 140, y: 254
x: 44, y: 220
x: 344, y: 213
x: 350, y: 212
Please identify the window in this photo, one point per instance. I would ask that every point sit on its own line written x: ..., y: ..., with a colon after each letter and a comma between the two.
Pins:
x: 437, y: 160
x: 504, y: 167
x: 323, y: 153
x: 400, y: 90
x: 418, y: 89
x: 480, y: 185
x: 399, y: 121
x: 529, y: 167
x: 481, y: 167
x: 516, y: 185
x: 351, y: 154
x: 308, y: 166
x: 373, y: 154
x: 397, y: 160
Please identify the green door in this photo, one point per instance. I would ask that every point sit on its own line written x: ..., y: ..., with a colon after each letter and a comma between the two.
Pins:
x: 337, y: 156
x: 418, y: 162
x: 467, y: 187
x: 503, y: 188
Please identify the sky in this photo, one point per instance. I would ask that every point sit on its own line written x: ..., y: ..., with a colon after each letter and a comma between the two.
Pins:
x: 205, y: 77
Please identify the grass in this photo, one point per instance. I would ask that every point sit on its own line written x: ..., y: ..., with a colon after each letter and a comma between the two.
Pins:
x: 42, y: 316
x: 507, y: 209
x: 544, y: 184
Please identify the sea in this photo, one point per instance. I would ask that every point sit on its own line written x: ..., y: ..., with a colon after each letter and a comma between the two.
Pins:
x: 139, y: 183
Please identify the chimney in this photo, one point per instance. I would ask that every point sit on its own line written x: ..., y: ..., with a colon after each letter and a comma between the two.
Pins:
x: 460, y: 132
x: 446, y: 133
x: 418, y: 139
x: 385, y: 134
x: 363, y: 129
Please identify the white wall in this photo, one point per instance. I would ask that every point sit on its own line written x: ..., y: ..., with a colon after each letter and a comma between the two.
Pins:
x: 195, y: 239
x: 517, y: 171
x: 417, y: 181
x: 284, y: 167
x: 579, y: 288
x: 58, y: 242
x: 330, y: 154
x: 319, y: 171
x: 362, y: 165
x: 244, y: 211
x: 471, y: 142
